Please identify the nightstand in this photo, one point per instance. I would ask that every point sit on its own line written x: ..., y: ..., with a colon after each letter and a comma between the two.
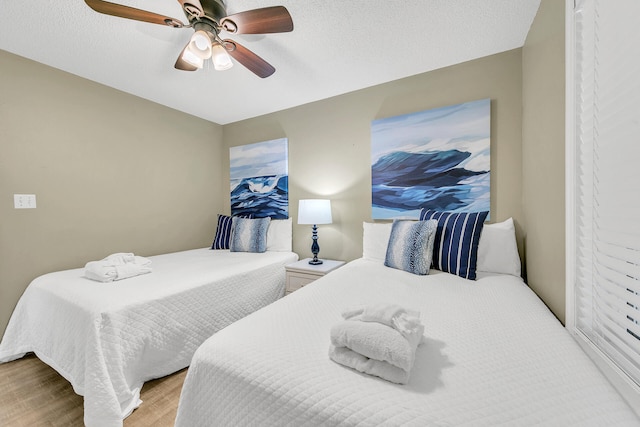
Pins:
x: 302, y: 273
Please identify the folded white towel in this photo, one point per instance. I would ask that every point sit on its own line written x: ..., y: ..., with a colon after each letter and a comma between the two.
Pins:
x: 375, y: 341
x: 407, y: 322
x: 382, y: 312
x: 131, y: 270
x: 97, y: 270
x: 353, y: 360
x: 379, y: 340
x: 119, y: 258
x: 117, y: 267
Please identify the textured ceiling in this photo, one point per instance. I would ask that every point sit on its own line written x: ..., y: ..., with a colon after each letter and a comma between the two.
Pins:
x: 337, y: 46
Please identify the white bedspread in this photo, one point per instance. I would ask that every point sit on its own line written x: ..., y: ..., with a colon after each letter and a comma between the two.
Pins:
x: 107, y: 339
x: 494, y: 355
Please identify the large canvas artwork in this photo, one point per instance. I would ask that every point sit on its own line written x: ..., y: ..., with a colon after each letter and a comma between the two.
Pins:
x: 259, y: 179
x: 436, y: 158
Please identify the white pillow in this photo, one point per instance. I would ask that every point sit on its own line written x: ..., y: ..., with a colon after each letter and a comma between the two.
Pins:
x: 375, y: 240
x: 498, y: 250
x: 280, y: 235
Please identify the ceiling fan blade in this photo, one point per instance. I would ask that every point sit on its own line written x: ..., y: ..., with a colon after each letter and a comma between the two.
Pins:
x: 192, y: 7
x: 253, y: 62
x: 183, y: 65
x: 275, y: 19
x: 122, y: 11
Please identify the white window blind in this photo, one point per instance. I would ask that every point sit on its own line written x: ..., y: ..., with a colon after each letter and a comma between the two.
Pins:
x: 606, y: 201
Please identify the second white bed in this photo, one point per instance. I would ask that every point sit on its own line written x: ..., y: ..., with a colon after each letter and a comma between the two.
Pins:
x: 107, y: 339
x: 494, y: 355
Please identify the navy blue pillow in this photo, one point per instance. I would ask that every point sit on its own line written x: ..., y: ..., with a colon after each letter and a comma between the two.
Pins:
x: 455, y: 249
x: 223, y: 232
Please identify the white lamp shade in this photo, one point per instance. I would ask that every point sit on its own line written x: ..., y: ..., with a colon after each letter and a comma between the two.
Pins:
x: 200, y: 44
x: 314, y: 211
x: 192, y: 58
x: 220, y: 58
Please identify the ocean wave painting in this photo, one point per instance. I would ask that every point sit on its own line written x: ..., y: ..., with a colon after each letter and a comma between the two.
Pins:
x: 259, y: 179
x: 437, y: 159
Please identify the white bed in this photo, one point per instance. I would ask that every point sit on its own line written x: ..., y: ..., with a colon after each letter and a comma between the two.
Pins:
x: 107, y: 339
x: 494, y: 355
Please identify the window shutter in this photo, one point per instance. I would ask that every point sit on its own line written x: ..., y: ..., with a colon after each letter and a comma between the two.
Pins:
x: 607, y: 168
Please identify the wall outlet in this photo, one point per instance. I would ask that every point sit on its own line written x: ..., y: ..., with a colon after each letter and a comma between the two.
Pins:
x: 24, y: 201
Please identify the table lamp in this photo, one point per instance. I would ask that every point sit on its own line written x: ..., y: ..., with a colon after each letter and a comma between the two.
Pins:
x: 314, y: 211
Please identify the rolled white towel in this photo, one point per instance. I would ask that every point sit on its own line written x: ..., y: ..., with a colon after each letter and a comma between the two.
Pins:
x: 353, y: 360
x: 375, y: 341
x: 130, y: 270
x: 117, y: 266
x: 405, y: 321
x: 119, y: 258
x: 98, y: 271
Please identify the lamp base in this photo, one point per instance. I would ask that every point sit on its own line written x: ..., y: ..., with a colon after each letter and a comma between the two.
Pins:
x: 315, y: 248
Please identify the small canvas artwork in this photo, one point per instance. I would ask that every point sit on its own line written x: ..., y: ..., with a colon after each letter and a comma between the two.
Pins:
x: 259, y: 179
x: 437, y: 159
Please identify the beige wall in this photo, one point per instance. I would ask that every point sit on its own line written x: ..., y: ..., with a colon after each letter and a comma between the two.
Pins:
x: 329, y: 144
x: 111, y: 173
x: 543, y: 144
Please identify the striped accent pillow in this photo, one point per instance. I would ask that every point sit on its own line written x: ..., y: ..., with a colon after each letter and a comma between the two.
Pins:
x: 410, y: 246
x: 223, y: 232
x: 455, y: 249
x: 249, y: 235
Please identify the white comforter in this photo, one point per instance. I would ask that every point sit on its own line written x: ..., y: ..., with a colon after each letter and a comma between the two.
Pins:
x: 107, y: 339
x: 494, y: 355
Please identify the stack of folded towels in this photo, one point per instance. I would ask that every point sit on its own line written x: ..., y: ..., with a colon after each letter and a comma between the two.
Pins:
x: 117, y: 267
x: 379, y: 340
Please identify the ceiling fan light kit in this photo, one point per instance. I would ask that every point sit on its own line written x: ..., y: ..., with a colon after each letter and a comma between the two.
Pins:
x: 191, y: 58
x: 209, y: 18
x: 200, y: 44
x: 204, y: 45
x: 220, y: 58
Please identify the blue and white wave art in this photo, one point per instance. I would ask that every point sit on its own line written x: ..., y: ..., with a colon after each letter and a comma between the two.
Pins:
x: 437, y: 159
x: 404, y: 182
x: 261, y: 196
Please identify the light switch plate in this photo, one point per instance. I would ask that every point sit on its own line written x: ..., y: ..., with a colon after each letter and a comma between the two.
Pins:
x: 24, y: 201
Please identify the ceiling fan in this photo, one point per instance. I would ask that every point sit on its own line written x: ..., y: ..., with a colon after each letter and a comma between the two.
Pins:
x: 209, y: 18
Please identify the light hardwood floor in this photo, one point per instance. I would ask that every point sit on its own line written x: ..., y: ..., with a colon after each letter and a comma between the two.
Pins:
x: 33, y: 394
